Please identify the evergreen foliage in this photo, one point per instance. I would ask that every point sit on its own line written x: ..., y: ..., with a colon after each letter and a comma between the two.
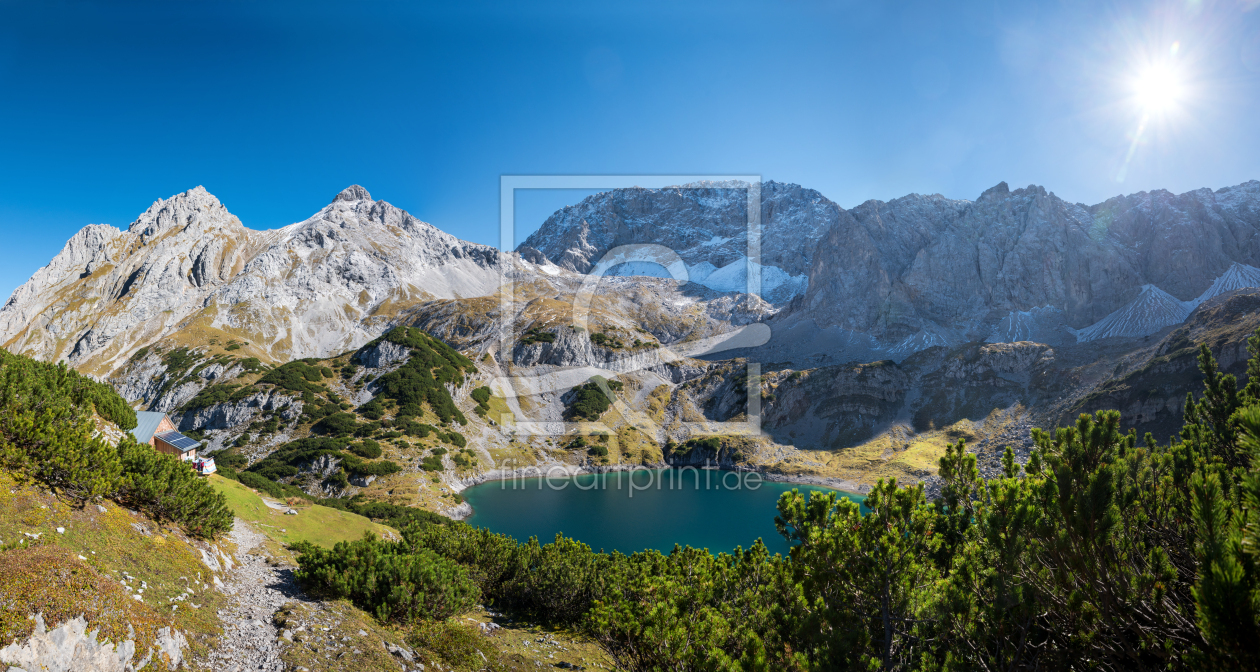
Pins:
x: 80, y: 390
x: 590, y: 401
x: 218, y: 394
x: 183, y: 365
x: 388, y: 579
x: 336, y: 424
x: 1102, y: 552
x: 373, y: 410
x: 481, y: 395
x: 605, y: 340
x: 464, y: 459
x: 301, y: 375
x: 393, y: 515
x: 412, y: 428
x: 423, y: 379
x: 537, y: 336
x: 287, y: 461
x: 366, y: 448
x: 46, y: 429
x: 167, y: 488
x: 263, y: 484
x: 47, y: 432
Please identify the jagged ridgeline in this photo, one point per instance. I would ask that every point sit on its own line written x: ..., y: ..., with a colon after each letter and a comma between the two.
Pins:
x: 49, y: 432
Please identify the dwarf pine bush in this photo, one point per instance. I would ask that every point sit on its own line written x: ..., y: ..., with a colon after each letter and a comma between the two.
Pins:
x: 48, y: 433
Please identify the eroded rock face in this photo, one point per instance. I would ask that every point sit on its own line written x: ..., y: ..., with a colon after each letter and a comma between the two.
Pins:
x: 1149, y: 388
x: 835, y: 406
x: 142, y: 379
x: 70, y: 647
x: 574, y: 348
x: 705, y: 223
x: 383, y: 354
x: 187, y: 258
x: 228, y: 415
x: 322, y: 466
x: 839, y: 406
x: 960, y: 267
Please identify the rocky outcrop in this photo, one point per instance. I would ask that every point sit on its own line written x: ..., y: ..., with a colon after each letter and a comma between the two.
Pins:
x: 973, y: 380
x: 835, y: 406
x: 927, y: 264
x: 573, y: 348
x: 705, y: 224
x: 141, y: 378
x: 322, y: 467
x: 703, y: 456
x: 458, y: 512
x: 839, y: 406
x: 1149, y: 386
x: 228, y: 415
x: 187, y: 259
x: 383, y: 354
x: 70, y: 647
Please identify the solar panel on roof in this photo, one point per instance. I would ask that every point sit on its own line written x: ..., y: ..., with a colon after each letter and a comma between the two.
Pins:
x: 179, y: 441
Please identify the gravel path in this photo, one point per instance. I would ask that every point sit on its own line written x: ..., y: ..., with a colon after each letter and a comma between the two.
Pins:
x: 272, y: 504
x: 256, y: 590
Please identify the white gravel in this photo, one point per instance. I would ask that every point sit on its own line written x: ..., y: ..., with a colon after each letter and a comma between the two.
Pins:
x: 256, y: 590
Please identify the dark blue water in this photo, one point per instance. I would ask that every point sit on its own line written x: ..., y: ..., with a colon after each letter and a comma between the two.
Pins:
x: 717, y: 510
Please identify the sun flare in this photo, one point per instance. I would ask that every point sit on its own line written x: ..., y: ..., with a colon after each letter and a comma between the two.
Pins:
x: 1158, y: 88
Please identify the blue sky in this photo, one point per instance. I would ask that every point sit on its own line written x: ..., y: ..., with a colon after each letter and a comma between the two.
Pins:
x: 276, y: 107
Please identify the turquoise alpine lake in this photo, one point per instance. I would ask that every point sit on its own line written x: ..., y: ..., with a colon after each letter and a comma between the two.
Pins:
x: 634, y: 511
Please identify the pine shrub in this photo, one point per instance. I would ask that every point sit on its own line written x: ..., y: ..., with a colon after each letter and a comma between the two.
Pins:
x: 47, y: 432
x: 388, y: 579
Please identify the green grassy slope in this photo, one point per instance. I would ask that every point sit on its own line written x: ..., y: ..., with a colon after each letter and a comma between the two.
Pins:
x: 316, y: 524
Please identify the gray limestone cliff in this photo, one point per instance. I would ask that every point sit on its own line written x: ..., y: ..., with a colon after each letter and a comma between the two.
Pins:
x: 957, y: 269
x: 323, y: 285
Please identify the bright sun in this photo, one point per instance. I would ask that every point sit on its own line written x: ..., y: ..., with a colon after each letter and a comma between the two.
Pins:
x: 1158, y: 88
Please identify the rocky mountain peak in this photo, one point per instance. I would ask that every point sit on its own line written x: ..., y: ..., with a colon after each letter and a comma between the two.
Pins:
x: 913, y: 267
x: 705, y: 223
x: 183, y: 209
x: 998, y: 191
x: 353, y: 193
x: 187, y: 259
